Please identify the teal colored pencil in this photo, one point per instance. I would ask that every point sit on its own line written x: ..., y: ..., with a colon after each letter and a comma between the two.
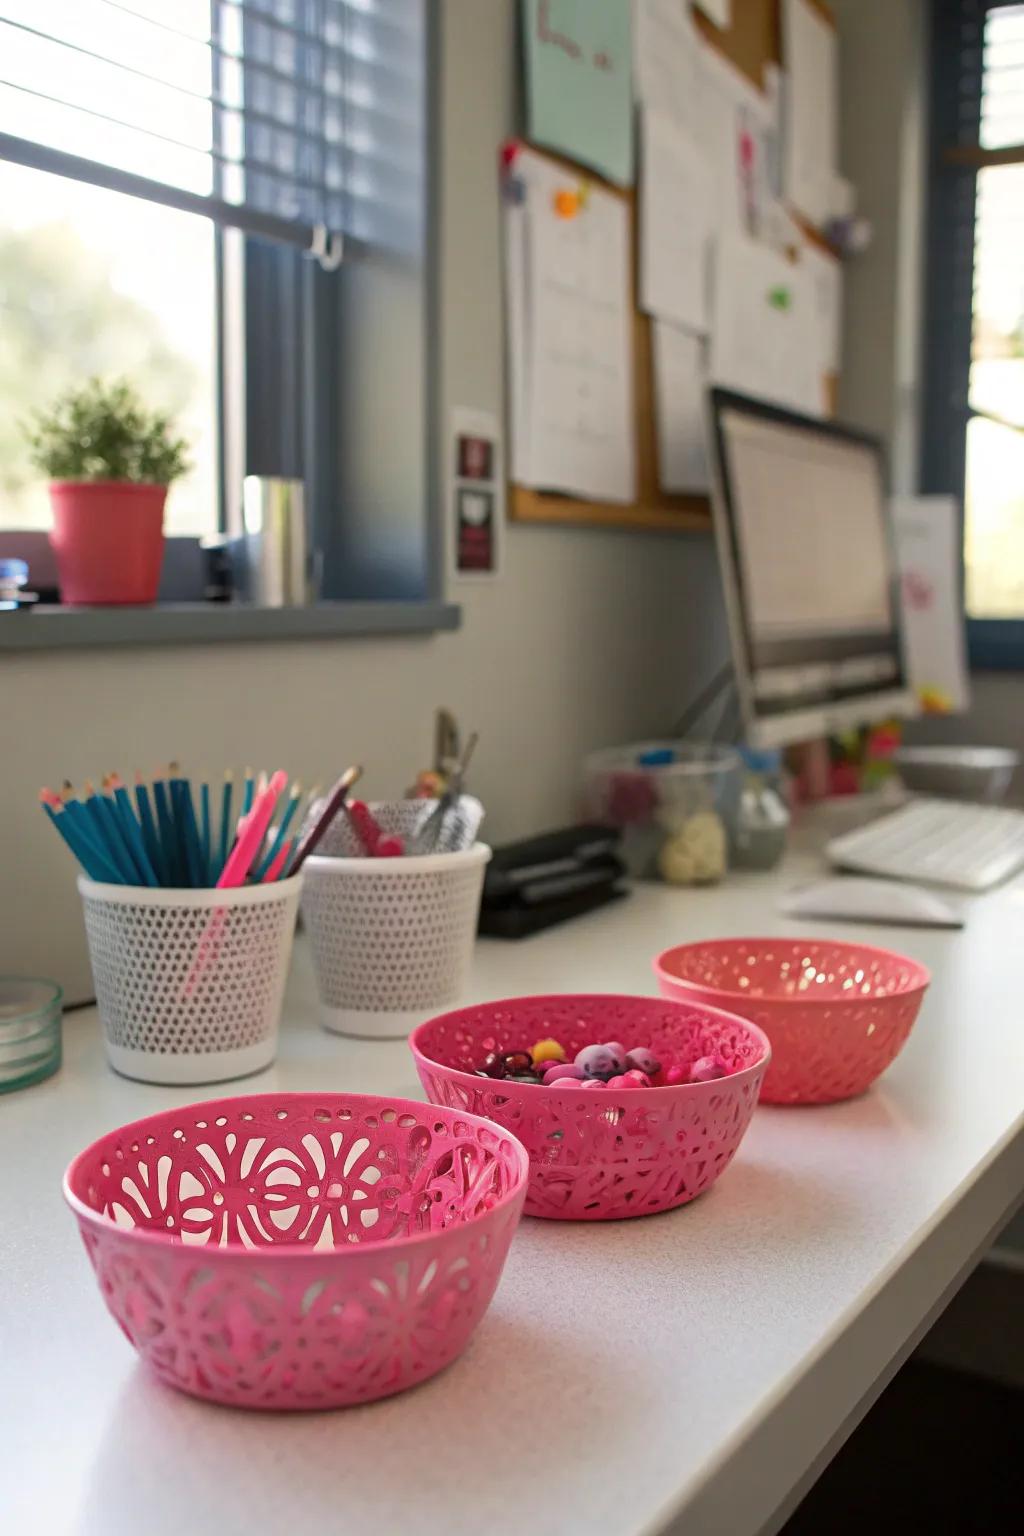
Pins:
x: 282, y: 832
x: 188, y: 831
x: 95, y: 866
x: 149, y: 833
x: 81, y: 822
x: 226, y: 837
x: 168, y: 834
x: 248, y: 792
x: 130, y: 828
x: 204, y: 835
x: 109, y: 832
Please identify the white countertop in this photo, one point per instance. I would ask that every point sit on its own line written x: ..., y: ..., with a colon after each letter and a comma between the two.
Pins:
x: 688, y: 1372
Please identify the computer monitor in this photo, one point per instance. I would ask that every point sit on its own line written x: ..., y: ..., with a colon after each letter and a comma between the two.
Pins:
x: 806, y: 547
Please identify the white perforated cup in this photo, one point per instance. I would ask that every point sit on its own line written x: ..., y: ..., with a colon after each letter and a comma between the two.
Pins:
x: 392, y: 939
x: 189, y: 983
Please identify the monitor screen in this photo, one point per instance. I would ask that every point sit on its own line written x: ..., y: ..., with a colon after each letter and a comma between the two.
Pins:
x: 805, y: 537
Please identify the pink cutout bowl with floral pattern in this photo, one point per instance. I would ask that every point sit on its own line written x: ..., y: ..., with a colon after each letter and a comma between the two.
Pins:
x: 836, y: 1014
x: 611, y: 1153
x: 299, y: 1250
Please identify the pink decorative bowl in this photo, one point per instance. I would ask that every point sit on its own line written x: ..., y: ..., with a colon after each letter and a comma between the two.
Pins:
x: 299, y: 1250
x: 836, y: 1014
x: 610, y: 1153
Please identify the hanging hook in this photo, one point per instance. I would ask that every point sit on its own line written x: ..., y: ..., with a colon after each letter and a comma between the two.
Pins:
x: 326, y: 248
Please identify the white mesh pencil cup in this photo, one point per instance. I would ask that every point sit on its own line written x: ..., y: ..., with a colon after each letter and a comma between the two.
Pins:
x: 392, y: 939
x: 189, y: 982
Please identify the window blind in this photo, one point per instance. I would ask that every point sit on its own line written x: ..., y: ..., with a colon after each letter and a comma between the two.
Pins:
x: 296, y: 120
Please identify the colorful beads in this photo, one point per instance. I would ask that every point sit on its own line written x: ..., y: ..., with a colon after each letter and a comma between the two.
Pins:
x: 597, y: 1066
x: 602, y: 1061
x: 643, y: 1060
x: 708, y: 1068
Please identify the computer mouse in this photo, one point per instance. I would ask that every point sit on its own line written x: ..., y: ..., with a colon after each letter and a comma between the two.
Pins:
x: 852, y: 899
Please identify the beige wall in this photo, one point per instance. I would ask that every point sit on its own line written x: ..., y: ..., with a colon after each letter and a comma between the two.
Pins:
x: 588, y: 638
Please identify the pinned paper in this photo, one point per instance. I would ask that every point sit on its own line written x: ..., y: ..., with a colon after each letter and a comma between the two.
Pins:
x: 569, y: 340
x: 928, y: 546
x: 680, y: 383
x: 579, y: 61
x: 809, y: 56
x: 677, y: 220
x: 763, y: 331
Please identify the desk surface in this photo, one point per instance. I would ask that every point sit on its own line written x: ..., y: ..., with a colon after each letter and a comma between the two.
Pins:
x: 688, y: 1372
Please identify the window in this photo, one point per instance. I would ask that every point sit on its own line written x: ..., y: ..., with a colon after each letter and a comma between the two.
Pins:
x: 164, y: 172
x: 974, y: 394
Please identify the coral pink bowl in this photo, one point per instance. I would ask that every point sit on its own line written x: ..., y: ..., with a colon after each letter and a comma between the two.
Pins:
x: 595, y: 1156
x: 836, y: 1014
x: 299, y: 1250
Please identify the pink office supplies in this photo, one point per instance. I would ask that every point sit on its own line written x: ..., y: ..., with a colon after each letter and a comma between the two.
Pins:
x: 252, y: 831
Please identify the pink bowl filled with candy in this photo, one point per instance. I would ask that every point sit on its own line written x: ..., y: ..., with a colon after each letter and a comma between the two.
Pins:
x: 836, y: 1014
x: 299, y: 1250
x: 603, y: 1144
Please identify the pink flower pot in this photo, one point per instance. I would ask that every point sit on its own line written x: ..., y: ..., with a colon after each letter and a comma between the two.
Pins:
x: 108, y: 538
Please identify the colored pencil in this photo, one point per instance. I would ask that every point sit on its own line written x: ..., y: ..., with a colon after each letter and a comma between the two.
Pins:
x: 260, y: 871
x: 248, y: 792
x: 149, y: 832
x: 168, y: 839
x: 278, y: 866
x: 226, y: 834
x: 94, y: 864
x: 250, y: 838
x: 204, y: 831
x: 335, y: 801
x: 80, y: 820
x: 122, y: 808
x: 187, y: 828
x: 108, y: 833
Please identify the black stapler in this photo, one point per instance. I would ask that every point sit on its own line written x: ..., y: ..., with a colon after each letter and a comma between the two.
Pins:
x: 531, y: 885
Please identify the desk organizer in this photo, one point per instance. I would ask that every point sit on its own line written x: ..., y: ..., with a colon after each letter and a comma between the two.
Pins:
x: 392, y: 939
x: 599, y: 1156
x: 836, y: 1014
x: 299, y: 1250
x: 189, y: 982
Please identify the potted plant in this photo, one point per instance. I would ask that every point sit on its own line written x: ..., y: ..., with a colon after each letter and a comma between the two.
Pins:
x: 110, y: 461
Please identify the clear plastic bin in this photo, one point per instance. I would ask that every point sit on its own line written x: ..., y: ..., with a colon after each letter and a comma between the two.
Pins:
x: 675, y: 804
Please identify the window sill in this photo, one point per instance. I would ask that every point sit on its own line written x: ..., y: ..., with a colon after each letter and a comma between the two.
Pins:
x: 46, y: 628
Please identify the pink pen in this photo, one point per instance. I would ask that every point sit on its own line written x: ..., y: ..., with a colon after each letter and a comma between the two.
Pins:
x: 250, y: 837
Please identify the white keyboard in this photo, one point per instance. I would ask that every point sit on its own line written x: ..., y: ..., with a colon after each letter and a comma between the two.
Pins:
x: 938, y: 842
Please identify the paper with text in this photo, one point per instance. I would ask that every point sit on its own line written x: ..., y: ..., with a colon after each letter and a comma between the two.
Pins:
x: 928, y: 545
x: 570, y: 337
x: 763, y: 331
x: 579, y: 59
x: 667, y: 72
x: 738, y: 129
x: 825, y: 273
x: 811, y: 119
x: 680, y: 382
x: 677, y: 221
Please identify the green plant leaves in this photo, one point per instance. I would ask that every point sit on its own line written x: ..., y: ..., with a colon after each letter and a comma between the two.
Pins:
x: 103, y: 431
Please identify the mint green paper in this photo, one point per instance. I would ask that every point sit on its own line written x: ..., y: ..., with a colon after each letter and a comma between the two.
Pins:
x: 578, y: 56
